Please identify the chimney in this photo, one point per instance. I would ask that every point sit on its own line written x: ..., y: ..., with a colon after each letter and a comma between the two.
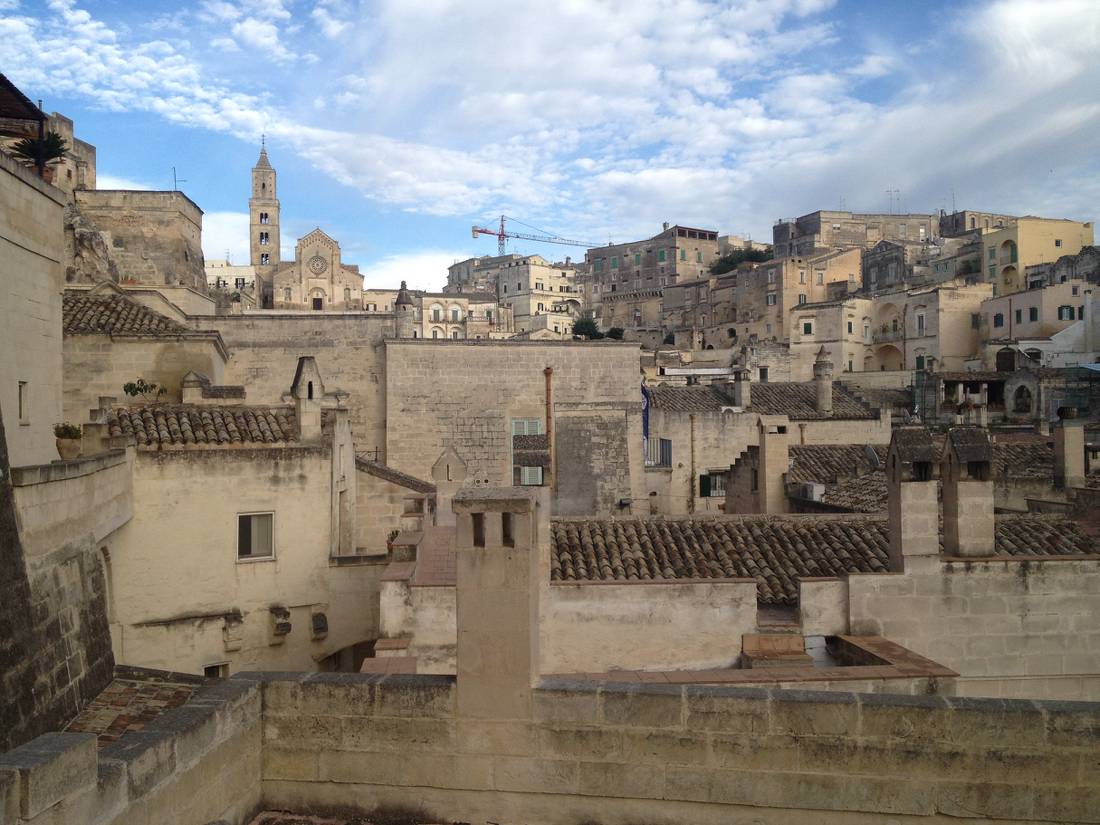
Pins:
x: 823, y: 382
x: 967, y: 472
x: 913, y: 505
x: 307, y: 390
x: 503, y: 561
x: 774, y: 461
x: 1069, y: 450
x: 741, y: 394
x: 664, y: 226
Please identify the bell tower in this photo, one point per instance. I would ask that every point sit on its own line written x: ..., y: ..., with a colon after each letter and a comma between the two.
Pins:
x: 263, y: 211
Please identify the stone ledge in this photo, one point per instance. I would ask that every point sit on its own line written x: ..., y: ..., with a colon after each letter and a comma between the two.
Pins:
x: 50, y: 768
x: 65, y: 470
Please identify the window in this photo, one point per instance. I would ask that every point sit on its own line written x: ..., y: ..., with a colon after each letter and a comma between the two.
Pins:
x: 801, y: 297
x: 505, y: 288
x: 661, y: 255
x: 265, y: 259
x: 802, y: 276
x: 902, y: 230
x: 820, y: 278
x: 526, y: 426
x: 920, y: 362
x: 489, y: 315
x: 479, y: 529
x: 755, y: 481
x: 850, y: 367
x: 435, y: 333
x: 24, y: 404
x: 1080, y: 313
x: 849, y: 331
x: 263, y: 217
x: 347, y: 296
x: 1033, y: 314
x: 807, y: 327
x: 771, y: 276
x: 712, y: 485
x: 999, y: 320
x: 263, y: 238
x: 454, y: 334
x: 599, y: 264
x: 255, y: 536
x: 218, y: 671
x: 1065, y: 313
x: 436, y: 314
x: 683, y: 254
x: 288, y: 296
x: 1019, y: 316
x: 698, y: 257
x: 771, y: 299
x: 318, y: 303
x: 1073, y: 290
x: 507, y: 531
x: 1058, y: 242
x: 454, y: 315
x: 637, y: 259
x: 920, y: 324
x: 527, y: 476
x: 992, y: 253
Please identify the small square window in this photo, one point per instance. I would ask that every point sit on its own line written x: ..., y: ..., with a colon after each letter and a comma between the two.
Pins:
x: 807, y: 328
x: 255, y: 536
x: 218, y: 671
x: 1057, y: 241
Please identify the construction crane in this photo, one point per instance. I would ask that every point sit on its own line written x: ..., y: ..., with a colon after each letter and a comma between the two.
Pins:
x: 502, y: 235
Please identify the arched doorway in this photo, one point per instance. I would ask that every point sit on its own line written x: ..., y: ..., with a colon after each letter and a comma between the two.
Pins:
x: 1022, y: 401
x: 317, y: 299
x: 889, y: 358
x: 1006, y: 360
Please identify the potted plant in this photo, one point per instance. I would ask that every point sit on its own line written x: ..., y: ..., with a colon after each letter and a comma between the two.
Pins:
x: 147, y: 390
x: 68, y: 440
x: 389, y: 540
x: 37, y: 152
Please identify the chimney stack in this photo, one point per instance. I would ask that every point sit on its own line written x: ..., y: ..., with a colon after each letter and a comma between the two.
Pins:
x: 967, y: 472
x: 914, y: 513
x: 774, y: 462
x: 742, y: 396
x: 307, y: 392
x: 1069, y: 450
x: 823, y: 382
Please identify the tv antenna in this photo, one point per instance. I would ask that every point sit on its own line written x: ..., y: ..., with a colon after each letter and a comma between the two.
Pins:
x: 176, y: 181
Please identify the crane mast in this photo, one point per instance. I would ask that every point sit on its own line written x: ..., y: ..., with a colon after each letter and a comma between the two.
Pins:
x: 503, y: 234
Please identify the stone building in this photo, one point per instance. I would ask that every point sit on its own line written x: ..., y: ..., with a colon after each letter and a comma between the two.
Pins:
x: 807, y: 235
x: 1028, y: 242
x: 1084, y: 266
x: 1032, y: 314
x: 539, y: 294
x: 643, y: 268
x: 966, y: 221
x: 769, y: 293
x: 480, y: 274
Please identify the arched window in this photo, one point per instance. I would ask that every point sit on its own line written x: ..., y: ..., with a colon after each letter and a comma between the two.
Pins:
x: 436, y: 333
x: 456, y: 314
x: 437, y: 312
x: 1021, y: 401
x: 455, y: 334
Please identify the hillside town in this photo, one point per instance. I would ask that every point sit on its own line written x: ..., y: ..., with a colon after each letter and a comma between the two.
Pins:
x: 688, y: 528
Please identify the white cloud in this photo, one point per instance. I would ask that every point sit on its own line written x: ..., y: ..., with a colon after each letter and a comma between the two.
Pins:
x: 225, y: 233
x: 262, y: 36
x: 421, y: 270
x: 329, y: 25
x: 105, y: 180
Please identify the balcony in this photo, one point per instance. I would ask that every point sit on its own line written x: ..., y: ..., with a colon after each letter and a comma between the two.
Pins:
x: 888, y: 336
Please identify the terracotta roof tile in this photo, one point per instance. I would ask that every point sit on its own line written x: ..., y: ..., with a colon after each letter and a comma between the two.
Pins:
x: 379, y: 470
x: 86, y: 314
x: 775, y: 551
x: 177, y: 424
x: 793, y: 399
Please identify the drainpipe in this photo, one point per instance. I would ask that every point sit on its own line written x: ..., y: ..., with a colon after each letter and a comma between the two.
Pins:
x: 1088, y: 322
x: 549, y: 373
x: 691, y: 475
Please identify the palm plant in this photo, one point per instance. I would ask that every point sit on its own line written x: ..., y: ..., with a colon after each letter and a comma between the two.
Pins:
x: 40, y: 151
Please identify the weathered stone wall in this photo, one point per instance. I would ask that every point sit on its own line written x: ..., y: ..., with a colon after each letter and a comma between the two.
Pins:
x: 628, y: 753
x: 464, y: 394
x: 99, y: 365
x: 427, y: 617
x: 1009, y: 626
x: 153, y: 237
x: 669, y: 625
x: 193, y: 765
x: 265, y: 347
x: 55, y: 647
x: 181, y: 600
x: 382, y: 507
x: 31, y: 249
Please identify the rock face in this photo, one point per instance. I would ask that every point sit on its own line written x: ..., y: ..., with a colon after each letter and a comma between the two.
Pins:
x: 88, y: 257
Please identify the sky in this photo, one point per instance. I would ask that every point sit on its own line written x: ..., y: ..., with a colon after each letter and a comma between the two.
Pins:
x: 397, y: 125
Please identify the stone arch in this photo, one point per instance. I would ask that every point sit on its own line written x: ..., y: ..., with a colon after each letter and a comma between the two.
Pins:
x: 1022, y: 401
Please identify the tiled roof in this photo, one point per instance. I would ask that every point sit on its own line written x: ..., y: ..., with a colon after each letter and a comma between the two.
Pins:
x: 774, y: 551
x: 793, y: 399
x: 176, y: 424
x: 970, y: 444
x: 825, y: 463
x: 1023, y: 460
x: 86, y: 314
x: 395, y: 476
x: 866, y: 494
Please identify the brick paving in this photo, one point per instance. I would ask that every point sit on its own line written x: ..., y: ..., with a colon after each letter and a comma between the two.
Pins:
x: 130, y: 703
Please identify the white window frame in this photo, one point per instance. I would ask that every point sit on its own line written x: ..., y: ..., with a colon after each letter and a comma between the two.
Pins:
x: 237, y: 525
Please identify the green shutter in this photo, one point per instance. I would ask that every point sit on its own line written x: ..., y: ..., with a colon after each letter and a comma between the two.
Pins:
x: 704, y: 486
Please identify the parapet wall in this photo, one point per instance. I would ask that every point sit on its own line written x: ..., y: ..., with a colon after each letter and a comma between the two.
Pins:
x: 619, y: 753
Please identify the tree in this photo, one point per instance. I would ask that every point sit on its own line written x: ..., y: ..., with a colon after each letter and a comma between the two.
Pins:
x: 615, y: 333
x: 587, y: 327
x: 729, y: 261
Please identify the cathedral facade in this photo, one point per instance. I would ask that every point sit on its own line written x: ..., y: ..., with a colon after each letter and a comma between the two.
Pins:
x: 316, y: 279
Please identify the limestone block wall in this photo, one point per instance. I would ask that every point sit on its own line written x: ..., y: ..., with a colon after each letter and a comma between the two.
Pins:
x: 265, y: 347
x: 182, y: 601
x: 99, y: 365
x: 621, y: 753
x: 427, y: 617
x: 463, y: 394
x: 31, y: 248
x: 1009, y: 626
x: 381, y: 507
x: 153, y: 237
x: 598, y: 627
x: 193, y: 765
x: 56, y: 649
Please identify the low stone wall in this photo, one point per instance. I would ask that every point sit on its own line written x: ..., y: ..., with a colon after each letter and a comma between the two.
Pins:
x: 659, y: 625
x: 192, y: 765
x: 621, y: 753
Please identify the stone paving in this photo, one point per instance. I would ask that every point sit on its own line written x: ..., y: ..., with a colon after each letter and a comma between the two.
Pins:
x: 130, y: 702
